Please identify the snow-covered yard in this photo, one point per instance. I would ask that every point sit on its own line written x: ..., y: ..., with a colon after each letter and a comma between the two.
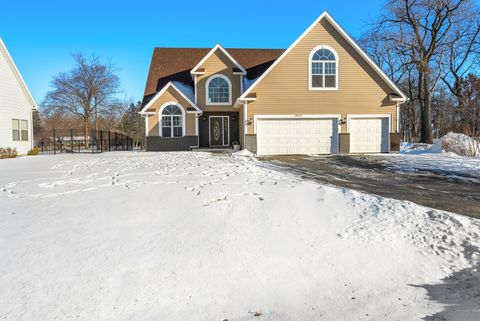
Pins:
x: 195, y: 236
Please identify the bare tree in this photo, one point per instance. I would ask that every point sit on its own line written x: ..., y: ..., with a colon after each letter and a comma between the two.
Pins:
x: 470, y: 111
x: 134, y: 124
x: 397, y: 64
x: 386, y: 54
x: 421, y: 29
x: 84, y: 91
x: 463, y: 54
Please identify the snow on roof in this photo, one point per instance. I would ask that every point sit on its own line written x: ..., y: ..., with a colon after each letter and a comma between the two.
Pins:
x: 185, y: 89
x: 248, y: 82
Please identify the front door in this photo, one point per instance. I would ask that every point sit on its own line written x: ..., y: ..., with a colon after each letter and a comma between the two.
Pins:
x: 219, y: 131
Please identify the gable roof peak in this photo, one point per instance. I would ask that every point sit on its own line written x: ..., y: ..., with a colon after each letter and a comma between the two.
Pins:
x: 211, y: 52
x: 180, y: 88
x: 345, y: 35
x: 18, y: 76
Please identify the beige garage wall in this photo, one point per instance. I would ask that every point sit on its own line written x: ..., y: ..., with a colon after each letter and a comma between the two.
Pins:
x: 285, y: 89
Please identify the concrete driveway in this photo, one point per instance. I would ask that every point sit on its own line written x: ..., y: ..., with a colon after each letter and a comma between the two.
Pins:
x: 434, y: 181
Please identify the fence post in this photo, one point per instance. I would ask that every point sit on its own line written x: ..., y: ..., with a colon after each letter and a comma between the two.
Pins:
x: 115, y: 140
x: 109, y: 147
x: 90, y: 137
x: 41, y: 144
x: 54, y: 143
x: 101, y: 141
x: 71, y: 139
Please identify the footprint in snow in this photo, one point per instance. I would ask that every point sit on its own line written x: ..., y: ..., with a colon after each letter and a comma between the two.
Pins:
x: 195, y: 189
x: 256, y: 195
x: 223, y: 197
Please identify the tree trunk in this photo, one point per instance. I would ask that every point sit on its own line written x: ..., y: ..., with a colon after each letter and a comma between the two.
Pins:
x: 426, y: 111
x: 85, y: 131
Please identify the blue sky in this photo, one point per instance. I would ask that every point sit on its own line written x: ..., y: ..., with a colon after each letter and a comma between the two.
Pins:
x: 41, y: 35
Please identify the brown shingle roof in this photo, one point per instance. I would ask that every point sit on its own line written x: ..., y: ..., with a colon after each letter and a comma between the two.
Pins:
x: 170, y: 64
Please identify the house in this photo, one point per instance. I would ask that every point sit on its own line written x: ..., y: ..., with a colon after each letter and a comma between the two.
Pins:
x: 322, y: 95
x: 16, y: 106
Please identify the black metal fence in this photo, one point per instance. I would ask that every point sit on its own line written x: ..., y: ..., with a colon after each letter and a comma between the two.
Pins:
x: 77, y: 141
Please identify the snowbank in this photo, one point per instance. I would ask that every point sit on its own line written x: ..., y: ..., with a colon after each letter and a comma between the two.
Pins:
x: 194, y: 236
x: 243, y: 152
x: 419, y: 148
x: 453, y: 144
x: 459, y: 144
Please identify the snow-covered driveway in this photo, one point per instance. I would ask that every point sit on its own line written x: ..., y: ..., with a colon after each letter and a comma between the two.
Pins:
x: 443, y: 182
x: 194, y: 236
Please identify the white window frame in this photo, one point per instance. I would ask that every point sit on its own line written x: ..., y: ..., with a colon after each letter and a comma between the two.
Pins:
x: 229, y: 103
x: 21, y: 130
x: 17, y: 130
x: 337, y: 64
x: 160, y: 115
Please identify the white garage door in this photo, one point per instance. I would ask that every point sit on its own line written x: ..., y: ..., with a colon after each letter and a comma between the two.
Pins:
x: 297, y: 136
x: 369, y: 135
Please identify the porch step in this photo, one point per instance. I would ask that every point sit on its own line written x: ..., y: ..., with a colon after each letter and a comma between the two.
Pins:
x: 214, y: 150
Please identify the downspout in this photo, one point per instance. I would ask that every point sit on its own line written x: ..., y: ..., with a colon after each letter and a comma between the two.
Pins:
x: 398, y: 118
x: 146, y: 125
x: 245, y: 126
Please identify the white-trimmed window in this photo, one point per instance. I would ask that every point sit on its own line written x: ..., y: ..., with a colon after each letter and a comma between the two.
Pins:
x: 172, y: 121
x: 19, y: 130
x: 219, y: 90
x: 323, y: 68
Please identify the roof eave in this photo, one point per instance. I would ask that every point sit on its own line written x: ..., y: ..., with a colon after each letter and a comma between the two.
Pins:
x: 24, y: 86
x: 215, y: 48
x: 325, y: 14
x: 161, y: 92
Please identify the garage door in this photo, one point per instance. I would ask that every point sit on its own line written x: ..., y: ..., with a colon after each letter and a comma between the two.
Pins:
x: 297, y: 136
x: 369, y: 135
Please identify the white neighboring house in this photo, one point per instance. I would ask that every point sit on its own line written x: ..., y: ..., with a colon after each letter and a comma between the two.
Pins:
x: 16, y: 106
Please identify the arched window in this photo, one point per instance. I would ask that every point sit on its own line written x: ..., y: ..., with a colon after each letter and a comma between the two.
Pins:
x: 172, y: 120
x: 219, y: 90
x: 323, y: 68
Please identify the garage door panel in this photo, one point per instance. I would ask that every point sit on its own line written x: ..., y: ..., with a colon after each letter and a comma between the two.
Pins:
x: 369, y: 135
x: 297, y: 136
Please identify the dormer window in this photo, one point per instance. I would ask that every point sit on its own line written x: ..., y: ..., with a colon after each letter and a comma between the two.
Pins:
x: 323, y: 64
x: 219, y: 90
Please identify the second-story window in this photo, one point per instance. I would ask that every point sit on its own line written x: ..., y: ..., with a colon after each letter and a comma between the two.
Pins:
x: 219, y: 90
x: 324, y: 68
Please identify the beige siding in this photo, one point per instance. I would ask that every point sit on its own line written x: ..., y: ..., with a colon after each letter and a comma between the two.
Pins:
x: 170, y: 95
x: 217, y: 63
x: 285, y: 89
x: 241, y: 126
